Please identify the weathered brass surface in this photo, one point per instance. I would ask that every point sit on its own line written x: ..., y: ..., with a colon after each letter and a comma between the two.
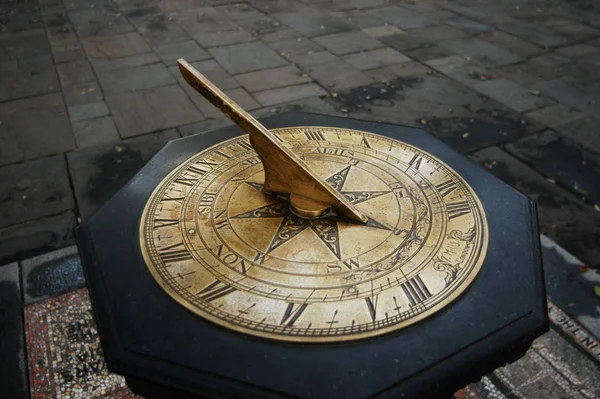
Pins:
x: 285, y: 172
x: 229, y: 252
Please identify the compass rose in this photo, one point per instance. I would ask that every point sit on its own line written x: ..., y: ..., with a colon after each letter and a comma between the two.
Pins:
x: 326, y: 229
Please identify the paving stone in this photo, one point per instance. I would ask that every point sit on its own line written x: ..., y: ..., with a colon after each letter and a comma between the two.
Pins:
x: 88, y: 111
x: 528, y: 72
x: 158, y: 29
x: 550, y: 155
x: 99, y: 172
x: 115, y: 46
x: 428, y: 53
x: 100, y: 21
x: 12, y: 339
x: 571, y: 290
x: 511, y: 94
x: 590, y: 62
x: 375, y: 58
x: 566, y: 92
x: 9, y: 66
x: 562, y: 216
x: 348, y: 42
x: 458, y: 68
x: 23, y: 240
x: 27, y: 80
x: 401, y: 17
x: 212, y: 71
x: 205, y: 126
x: 239, y: 96
x: 215, y: 39
x: 84, y: 93
x: 358, y: 18
x: 421, y: 7
x: 260, y: 27
x: 277, y: 35
x: 440, y: 33
x: 456, y: 114
x: 550, y: 60
x: 38, y: 126
x: 309, y: 104
x: 51, y: 274
x: 203, y: 20
x: 467, y: 25
x: 406, y: 41
x: 34, y: 189
x: 178, y: 5
x: 555, y: 115
x: 534, y: 33
x: 481, y: 51
x: 138, y: 8
x: 337, y: 75
x: 104, y: 65
x: 381, y: 31
x: 75, y: 72
x: 189, y: 50
x: 26, y: 49
x: 313, y: 58
x: 132, y: 79
x: 289, y: 93
x: 584, y: 132
x: 151, y: 110
x: 311, y: 22
x: 479, y: 11
x: 272, y: 78
x: 96, y: 131
x: 577, y: 31
x: 577, y: 50
x: 65, y: 54
x: 246, y: 57
x: 393, y: 72
x: 511, y: 43
x: 296, y: 47
x: 239, y: 11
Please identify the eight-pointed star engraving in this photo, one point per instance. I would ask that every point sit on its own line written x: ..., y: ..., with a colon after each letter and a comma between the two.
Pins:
x: 326, y: 229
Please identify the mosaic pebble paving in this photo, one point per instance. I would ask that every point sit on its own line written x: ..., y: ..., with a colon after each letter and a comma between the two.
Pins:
x: 66, y: 362
x: 64, y: 353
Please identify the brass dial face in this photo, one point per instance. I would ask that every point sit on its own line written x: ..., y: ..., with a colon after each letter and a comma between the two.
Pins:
x: 243, y: 259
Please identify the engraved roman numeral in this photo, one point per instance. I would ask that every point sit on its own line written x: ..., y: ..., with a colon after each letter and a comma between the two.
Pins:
x: 260, y: 258
x: 415, y: 162
x: 158, y: 223
x: 293, y: 313
x: 245, y: 144
x: 176, y: 199
x: 415, y: 290
x: 186, y: 181
x: 174, y: 253
x: 201, y: 167
x: 314, y: 135
x: 446, y: 187
x: 456, y: 209
x: 372, y: 306
x: 222, y: 224
x: 214, y: 291
x: 221, y: 153
x: 365, y: 143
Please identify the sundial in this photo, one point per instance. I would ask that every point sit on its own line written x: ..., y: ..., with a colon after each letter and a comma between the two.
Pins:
x: 311, y: 234
x: 327, y: 258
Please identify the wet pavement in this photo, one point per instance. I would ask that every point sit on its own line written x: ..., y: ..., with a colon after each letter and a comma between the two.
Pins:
x: 89, y: 92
